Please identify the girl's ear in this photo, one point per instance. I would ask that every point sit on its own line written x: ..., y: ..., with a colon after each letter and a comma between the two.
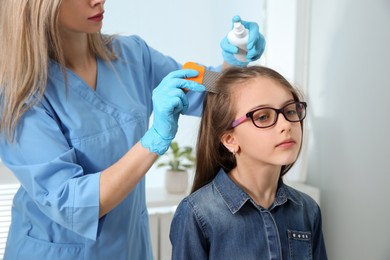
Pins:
x: 230, y: 142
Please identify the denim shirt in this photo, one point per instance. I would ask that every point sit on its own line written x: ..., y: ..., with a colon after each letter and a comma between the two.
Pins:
x: 221, y: 221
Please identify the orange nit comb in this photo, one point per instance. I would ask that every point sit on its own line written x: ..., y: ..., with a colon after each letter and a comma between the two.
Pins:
x: 205, y: 77
x: 199, y: 68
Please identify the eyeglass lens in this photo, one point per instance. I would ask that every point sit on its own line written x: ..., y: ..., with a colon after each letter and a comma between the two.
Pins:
x: 265, y: 117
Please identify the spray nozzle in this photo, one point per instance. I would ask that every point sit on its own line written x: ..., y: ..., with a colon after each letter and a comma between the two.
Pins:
x: 239, y: 29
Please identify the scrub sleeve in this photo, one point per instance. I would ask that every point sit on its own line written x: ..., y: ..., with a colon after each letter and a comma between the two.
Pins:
x: 64, y: 142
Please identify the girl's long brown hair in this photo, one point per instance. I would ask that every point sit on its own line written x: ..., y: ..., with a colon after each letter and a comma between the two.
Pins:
x: 218, y: 116
x: 29, y: 38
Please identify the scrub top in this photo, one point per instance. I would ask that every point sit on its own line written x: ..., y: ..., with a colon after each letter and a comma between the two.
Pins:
x: 64, y: 142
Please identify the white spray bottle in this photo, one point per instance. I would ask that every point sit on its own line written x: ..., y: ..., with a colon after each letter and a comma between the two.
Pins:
x: 238, y: 37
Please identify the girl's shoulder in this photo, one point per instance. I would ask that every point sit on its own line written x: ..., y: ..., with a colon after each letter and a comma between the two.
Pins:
x: 203, y: 201
x: 201, y: 195
x: 301, y: 198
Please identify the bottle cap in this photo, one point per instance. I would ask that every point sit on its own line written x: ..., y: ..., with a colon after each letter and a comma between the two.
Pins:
x: 239, y: 29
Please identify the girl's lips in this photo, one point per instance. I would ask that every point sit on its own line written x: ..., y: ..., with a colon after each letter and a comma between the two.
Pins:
x: 286, y: 143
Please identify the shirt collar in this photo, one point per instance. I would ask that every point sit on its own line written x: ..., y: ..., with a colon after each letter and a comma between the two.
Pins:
x: 235, y: 197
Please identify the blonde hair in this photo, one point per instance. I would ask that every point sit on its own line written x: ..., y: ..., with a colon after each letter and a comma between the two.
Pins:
x: 29, y: 39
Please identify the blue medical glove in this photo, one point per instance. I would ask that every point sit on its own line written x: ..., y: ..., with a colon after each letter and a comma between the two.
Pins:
x: 169, y: 100
x: 255, y: 46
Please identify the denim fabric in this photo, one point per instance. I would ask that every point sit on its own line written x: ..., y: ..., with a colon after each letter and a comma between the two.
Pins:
x: 220, y: 221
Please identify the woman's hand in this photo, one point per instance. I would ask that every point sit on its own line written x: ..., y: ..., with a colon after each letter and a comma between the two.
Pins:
x: 169, y: 100
x: 255, y: 46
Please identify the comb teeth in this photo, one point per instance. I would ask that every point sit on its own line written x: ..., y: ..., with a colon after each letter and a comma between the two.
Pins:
x: 207, y: 78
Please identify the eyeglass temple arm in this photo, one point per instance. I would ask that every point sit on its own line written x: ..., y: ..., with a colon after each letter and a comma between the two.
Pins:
x: 239, y: 121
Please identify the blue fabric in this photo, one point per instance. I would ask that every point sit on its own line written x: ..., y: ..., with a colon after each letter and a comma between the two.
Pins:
x: 220, y: 221
x: 64, y: 142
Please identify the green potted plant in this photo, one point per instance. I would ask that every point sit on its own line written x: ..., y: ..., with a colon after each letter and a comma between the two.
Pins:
x: 178, y: 161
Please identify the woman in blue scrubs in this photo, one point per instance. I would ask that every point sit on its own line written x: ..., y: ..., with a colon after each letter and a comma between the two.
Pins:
x: 75, y: 108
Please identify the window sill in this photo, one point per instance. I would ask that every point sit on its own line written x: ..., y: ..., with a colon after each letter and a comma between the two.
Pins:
x: 159, y: 198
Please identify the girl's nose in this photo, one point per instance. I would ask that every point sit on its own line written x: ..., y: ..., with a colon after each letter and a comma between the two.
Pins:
x: 283, y: 123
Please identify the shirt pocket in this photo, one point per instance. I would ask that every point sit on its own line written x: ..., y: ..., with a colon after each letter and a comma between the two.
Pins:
x: 300, y: 245
x: 39, y: 249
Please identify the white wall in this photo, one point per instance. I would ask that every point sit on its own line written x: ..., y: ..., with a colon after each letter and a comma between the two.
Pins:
x: 185, y: 30
x: 280, y: 36
x: 349, y: 88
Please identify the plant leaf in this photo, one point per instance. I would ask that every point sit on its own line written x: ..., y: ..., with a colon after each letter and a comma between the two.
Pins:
x: 162, y: 164
x: 178, y: 157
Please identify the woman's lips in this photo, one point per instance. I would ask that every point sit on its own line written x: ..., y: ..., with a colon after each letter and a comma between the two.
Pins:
x: 97, y: 18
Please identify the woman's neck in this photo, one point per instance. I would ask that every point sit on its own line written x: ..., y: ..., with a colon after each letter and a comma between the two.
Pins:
x: 260, y: 183
x: 77, y: 53
x: 79, y: 58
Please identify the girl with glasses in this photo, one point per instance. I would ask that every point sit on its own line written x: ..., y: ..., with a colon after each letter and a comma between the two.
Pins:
x: 249, y: 138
